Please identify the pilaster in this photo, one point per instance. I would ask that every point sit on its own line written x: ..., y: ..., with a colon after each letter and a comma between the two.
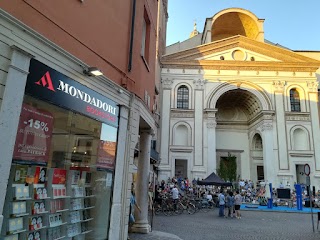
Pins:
x: 10, y: 114
x: 281, y: 124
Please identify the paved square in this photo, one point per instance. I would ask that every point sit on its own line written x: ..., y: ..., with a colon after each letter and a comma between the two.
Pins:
x: 252, y: 225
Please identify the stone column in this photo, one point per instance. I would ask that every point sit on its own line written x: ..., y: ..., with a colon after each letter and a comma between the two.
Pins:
x: 141, y: 225
x: 281, y: 124
x: 211, y: 141
x: 118, y: 208
x: 10, y: 114
x: 268, y: 157
x: 313, y: 98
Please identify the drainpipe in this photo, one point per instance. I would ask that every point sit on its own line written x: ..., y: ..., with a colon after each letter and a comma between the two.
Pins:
x: 131, y: 35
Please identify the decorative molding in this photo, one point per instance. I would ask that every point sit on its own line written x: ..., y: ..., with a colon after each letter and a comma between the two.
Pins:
x: 185, y: 149
x: 266, y: 127
x: 301, y: 154
x: 279, y: 85
x: 298, y: 118
x: 200, y: 83
x: 281, y: 54
x: 167, y: 83
x: 182, y: 113
x: 211, y: 124
x: 243, y: 66
x: 313, y: 86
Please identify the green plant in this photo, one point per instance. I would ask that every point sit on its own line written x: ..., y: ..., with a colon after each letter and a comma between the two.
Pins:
x: 228, y: 168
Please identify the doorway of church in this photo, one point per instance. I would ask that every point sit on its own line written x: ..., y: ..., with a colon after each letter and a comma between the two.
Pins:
x: 181, y: 168
x: 301, y: 177
x: 260, y: 173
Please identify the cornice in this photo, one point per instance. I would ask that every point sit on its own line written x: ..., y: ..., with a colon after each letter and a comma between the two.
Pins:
x: 243, y: 65
x: 243, y: 42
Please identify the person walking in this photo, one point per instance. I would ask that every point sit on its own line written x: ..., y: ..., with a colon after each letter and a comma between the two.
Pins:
x: 237, y: 203
x: 221, y: 199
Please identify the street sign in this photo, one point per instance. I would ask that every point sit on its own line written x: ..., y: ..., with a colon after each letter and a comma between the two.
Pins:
x: 307, y: 169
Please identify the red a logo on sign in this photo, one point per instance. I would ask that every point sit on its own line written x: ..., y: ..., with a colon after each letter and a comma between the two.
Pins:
x: 46, y: 81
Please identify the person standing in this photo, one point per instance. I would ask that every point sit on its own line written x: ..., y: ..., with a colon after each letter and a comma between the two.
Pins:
x: 230, y: 200
x: 237, y: 204
x: 175, y: 196
x: 221, y: 199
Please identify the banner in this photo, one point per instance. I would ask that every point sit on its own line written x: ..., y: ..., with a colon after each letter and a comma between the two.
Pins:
x: 33, y: 137
x: 50, y: 85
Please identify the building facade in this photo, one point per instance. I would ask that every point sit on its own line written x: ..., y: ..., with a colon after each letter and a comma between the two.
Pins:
x: 68, y: 138
x: 230, y: 92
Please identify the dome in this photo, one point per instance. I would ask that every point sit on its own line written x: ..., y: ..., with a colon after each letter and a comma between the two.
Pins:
x: 236, y: 21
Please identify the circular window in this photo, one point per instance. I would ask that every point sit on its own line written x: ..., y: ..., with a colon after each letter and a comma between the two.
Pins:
x: 238, y: 55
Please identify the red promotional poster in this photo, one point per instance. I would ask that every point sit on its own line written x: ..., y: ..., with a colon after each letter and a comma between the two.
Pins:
x: 106, y: 154
x: 59, y: 176
x: 34, y: 136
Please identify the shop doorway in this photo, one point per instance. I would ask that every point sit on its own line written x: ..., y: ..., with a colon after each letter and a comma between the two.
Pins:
x: 260, y: 173
x: 301, y: 177
x: 181, y: 168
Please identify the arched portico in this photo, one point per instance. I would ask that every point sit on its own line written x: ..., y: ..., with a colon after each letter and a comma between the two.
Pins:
x: 240, y: 109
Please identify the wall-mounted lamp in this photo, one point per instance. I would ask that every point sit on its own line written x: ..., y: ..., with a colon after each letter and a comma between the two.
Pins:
x: 92, y: 71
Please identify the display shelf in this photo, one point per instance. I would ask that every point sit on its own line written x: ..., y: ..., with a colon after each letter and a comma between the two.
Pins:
x: 16, y: 232
x: 59, y: 238
x: 61, y: 197
x: 79, y: 197
x: 89, y: 207
x: 74, y: 235
x: 87, y: 220
x: 81, y: 209
x: 65, y: 223
x: 62, y: 210
x: 15, y: 199
x: 37, y: 229
x: 45, y: 198
x: 87, y: 232
x: 19, y: 215
x: 40, y: 213
x: 70, y: 223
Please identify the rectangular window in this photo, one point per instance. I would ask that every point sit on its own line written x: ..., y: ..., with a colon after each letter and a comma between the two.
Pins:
x: 145, y: 42
x: 62, y: 173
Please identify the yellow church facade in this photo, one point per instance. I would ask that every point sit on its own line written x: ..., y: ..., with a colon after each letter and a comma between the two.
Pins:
x: 229, y: 92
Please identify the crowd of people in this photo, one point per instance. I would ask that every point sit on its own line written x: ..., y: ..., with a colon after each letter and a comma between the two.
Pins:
x: 248, y: 192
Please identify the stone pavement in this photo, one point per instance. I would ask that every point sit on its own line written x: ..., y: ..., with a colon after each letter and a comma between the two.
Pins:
x: 254, y: 225
x: 154, y: 235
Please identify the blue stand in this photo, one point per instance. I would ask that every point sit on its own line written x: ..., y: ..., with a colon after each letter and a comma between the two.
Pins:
x: 270, y: 200
x: 299, y: 196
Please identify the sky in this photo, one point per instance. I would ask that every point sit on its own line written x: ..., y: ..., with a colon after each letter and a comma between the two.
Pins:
x: 294, y: 24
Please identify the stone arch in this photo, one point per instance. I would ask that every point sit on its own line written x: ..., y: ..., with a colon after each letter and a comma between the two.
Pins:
x: 302, y: 95
x: 257, y: 142
x: 300, y: 138
x: 188, y: 135
x: 190, y: 93
x: 256, y: 90
x: 236, y: 21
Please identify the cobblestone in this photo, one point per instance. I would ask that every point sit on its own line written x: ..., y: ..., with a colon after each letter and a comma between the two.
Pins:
x: 253, y: 225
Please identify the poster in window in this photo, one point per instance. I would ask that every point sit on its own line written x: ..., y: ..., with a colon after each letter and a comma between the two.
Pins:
x: 106, y: 155
x: 33, y: 137
x: 107, y: 148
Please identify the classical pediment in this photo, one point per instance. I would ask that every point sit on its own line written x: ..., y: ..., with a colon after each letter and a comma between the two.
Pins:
x: 240, y: 51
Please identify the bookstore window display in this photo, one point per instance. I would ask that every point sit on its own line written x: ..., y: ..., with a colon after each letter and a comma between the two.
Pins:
x: 60, y: 183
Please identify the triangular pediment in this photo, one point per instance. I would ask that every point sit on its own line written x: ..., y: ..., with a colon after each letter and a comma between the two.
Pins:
x: 239, y: 49
x: 238, y: 54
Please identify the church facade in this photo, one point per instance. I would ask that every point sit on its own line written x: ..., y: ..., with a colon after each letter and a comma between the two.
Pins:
x: 228, y: 92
